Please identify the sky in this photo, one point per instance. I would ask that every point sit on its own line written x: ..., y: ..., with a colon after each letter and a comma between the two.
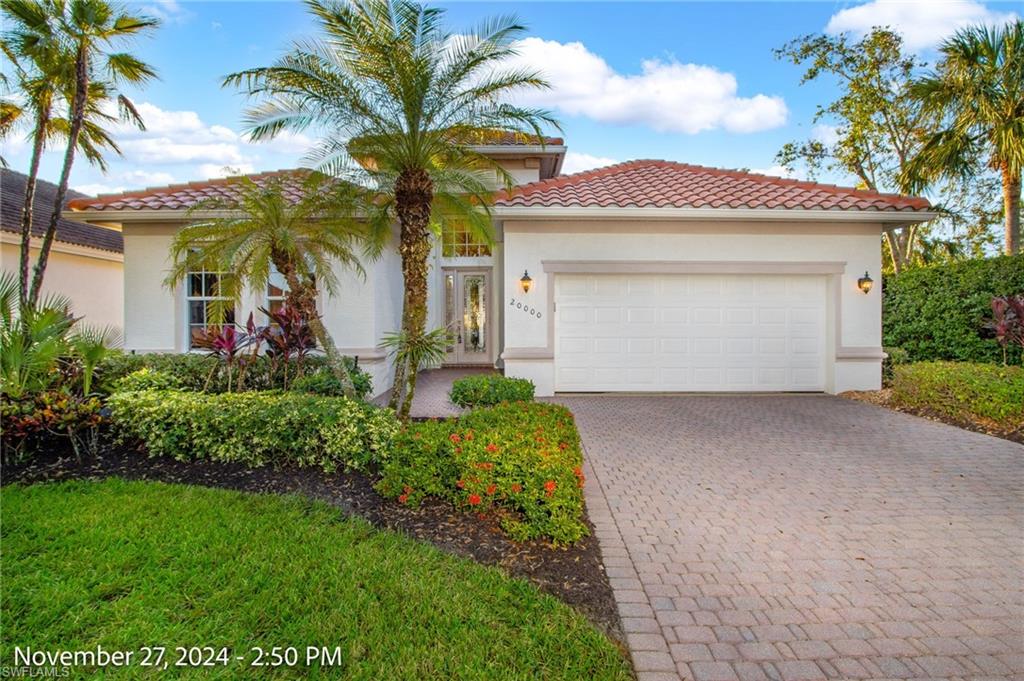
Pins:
x: 694, y: 82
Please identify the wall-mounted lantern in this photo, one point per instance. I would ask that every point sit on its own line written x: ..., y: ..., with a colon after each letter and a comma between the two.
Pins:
x: 865, y: 283
x: 525, y: 282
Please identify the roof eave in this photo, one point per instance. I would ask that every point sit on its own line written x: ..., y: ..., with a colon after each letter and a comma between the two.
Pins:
x: 757, y: 214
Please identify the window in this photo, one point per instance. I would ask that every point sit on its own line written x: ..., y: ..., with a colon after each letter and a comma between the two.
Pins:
x: 202, y: 294
x: 460, y: 243
x: 277, y: 287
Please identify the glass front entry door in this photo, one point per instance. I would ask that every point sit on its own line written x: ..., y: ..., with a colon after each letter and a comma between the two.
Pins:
x: 467, y: 301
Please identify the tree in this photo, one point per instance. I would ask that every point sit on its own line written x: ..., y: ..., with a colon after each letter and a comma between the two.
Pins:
x: 876, y: 124
x: 82, y: 30
x: 976, y: 98
x: 302, y: 238
x: 401, y: 102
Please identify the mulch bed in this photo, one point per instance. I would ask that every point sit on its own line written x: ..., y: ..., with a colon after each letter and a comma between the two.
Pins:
x: 883, y: 398
x: 574, y: 574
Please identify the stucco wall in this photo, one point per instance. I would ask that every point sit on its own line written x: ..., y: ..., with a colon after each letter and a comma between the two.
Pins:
x: 856, y: 316
x: 92, y: 281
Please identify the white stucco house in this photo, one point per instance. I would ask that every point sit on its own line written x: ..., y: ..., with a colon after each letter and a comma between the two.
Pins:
x: 643, y: 276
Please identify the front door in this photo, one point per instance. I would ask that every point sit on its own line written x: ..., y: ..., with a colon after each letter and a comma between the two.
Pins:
x: 467, y: 295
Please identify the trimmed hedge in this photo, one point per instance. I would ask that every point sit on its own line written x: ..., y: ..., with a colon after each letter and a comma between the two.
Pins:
x: 485, y: 390
x: 198, y: 371
x: 984, y: 395
x: 148, y: 379
x: 255, y: 428
x: 521, y: 460
x: 939, y: 312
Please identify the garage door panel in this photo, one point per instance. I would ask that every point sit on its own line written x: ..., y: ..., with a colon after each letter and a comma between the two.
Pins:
x: 689, y: 332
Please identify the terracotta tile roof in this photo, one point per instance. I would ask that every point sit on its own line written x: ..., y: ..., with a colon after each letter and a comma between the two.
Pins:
x: 665, y: 184
x: 185, y: 196
x: 12, y: 198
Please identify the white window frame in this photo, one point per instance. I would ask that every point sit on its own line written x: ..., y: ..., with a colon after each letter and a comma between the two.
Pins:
x: 205, y: 298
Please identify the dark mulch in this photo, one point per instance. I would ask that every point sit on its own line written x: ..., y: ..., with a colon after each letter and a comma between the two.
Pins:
x: 574, y: 574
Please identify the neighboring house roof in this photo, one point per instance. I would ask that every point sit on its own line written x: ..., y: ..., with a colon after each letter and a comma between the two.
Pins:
x: 12, y: 198
x: 665, y: 184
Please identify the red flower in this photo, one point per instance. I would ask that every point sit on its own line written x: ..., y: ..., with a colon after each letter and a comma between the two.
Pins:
x: 407, y: 489
x: 469, y: 435
x: 484, y: 466
x: 460, y: 484
x: 454, y: 437
x: 474, y: 499
x: 563, y: 445
x: 517, y: 488
x: 578, y: 471
x: 549, y: 487
x: 403, y: 498
x: 491, y: 448
x: 491, y: 489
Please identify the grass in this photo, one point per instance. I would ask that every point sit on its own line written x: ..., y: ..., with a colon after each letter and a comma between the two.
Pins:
x: 128, y: 564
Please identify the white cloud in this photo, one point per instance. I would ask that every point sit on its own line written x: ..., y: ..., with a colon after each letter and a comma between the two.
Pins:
x: 212, y: 170
x: 778, y: 171
x: 667, y: 95
x: 922, y: 23
x: 577, y: 162
x: 145, y: 178
x: 824, y: 133
x: 168, y: 11
x: 97, y: 188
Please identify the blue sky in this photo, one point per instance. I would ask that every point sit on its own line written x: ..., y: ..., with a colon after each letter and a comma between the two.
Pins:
x: 686, y: 81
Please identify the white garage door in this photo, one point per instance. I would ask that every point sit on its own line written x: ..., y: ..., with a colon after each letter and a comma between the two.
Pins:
x: 693, y: 332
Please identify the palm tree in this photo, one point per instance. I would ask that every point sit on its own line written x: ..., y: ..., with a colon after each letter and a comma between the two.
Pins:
x: 977, y: 97
x: 400, y: 103
x: 83, y: 30
x: 263, y: 228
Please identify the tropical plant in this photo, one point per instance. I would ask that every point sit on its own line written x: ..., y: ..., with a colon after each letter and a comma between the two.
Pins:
x: 402, y: 104
x: 90, y: 345
x: 32, y: 340
x: 288, y: 336
x: 1007, y: 323
x: 264, y: 229
x: 976, y: 99
x: 227, y: 344
x: 414, y: 351
x: 69, y: 43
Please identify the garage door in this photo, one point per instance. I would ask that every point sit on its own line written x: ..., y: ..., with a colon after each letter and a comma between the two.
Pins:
x: 693, y: 332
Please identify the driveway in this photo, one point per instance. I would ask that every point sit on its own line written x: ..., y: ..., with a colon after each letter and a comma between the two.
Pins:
x: 805, y: 537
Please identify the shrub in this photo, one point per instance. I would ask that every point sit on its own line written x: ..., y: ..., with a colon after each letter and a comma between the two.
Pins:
x: 255, y: 428
x: 521, y: 460
x: 148, y: 379
x: 324, y: 382
x: 489, y: 389
x: 977, y: 394
x: 894, y: 358
x: 36, y: 420
x: 205, y: 372
x: 939, y: 312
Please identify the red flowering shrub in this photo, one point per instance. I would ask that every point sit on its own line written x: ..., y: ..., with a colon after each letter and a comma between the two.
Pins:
x: 521, y: 461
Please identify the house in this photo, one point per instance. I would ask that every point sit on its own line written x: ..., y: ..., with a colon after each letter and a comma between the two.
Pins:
x: 86, y: 260
x: 641, y: 276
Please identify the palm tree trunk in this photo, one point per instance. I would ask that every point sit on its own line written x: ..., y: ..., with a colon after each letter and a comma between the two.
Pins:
x: 303, y: 297
x: 77, y: 119
x: 1011, y: 209
x: 414, y: 195
x: 38, y: 141
x: 895, y: 250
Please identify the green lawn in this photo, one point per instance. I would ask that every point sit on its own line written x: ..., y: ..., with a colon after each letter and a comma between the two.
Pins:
x: 129, y: 564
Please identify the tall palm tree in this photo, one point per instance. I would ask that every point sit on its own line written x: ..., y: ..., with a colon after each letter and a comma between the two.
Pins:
x: 400, y: 103
x: 86, y: 30
x: 977, y: 97
x: 265, y: 228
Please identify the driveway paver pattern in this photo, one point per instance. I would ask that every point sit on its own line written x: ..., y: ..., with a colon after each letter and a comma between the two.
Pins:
x: 805, y: 537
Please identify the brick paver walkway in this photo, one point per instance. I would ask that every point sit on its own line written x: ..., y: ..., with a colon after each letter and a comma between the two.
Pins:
x: 806, y: 537
x: 432, y: 388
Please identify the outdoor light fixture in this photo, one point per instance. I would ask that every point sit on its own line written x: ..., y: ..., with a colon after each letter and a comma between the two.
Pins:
x: 525, y: 282
x: 865, y: 283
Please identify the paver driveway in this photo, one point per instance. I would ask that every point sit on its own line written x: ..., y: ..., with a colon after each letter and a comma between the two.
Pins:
x: 806, y: 537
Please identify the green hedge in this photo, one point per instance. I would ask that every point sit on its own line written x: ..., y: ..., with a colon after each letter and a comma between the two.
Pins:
x: 255, y: 428
x: 521, y: 460
x: 484, y: 390
x: 196, y: 371
x: 984, y: 395
x: 938, y: 312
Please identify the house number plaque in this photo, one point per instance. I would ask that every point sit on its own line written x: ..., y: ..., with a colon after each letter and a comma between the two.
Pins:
x: 520, y: 305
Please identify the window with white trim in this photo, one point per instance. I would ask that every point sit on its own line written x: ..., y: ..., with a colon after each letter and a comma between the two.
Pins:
x: 459, y: 242
x: 277, y: 289
x: 202, y: 294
